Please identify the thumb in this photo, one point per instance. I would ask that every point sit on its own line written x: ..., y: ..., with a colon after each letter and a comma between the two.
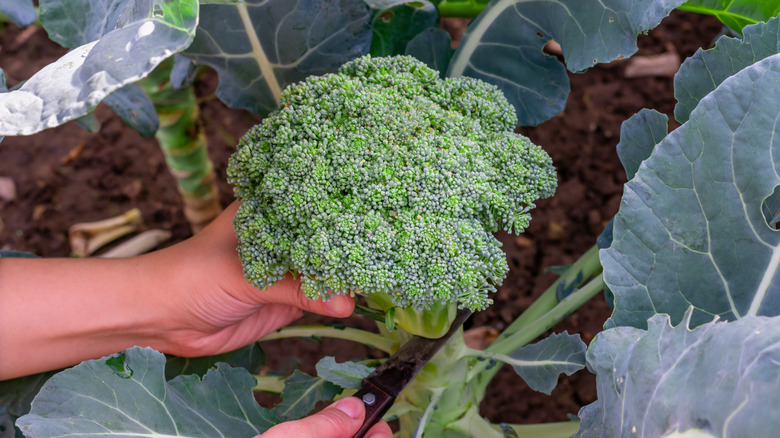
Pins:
x: 339, y: 420
x: 288, y: 291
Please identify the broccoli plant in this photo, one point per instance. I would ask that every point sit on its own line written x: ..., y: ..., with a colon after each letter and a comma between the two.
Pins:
x: 385, y: 180
x: 326, y: 183
x: 117, y: 44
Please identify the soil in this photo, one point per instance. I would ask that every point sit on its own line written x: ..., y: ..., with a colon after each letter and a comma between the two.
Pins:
x: 67, y: 175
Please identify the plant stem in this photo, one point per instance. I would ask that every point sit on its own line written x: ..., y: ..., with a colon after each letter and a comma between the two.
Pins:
x: 371, y: 313
x: 705, y: 10
x: 552, y: 317
x: 563, y: 429
x: 185, y: 147
x: 460, y: 8
x: 351, y: 334
x: 545, y: 322
x: 585, y: 267
x: 436, y: 394
x: 471, y: 424
x: 274, y: 384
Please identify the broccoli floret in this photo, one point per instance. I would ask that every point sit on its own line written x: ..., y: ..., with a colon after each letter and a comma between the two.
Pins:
x: 384, y: 179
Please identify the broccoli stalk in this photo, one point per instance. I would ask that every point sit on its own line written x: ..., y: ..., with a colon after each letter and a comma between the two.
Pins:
x: 384, y: 179
x: 432, y: 322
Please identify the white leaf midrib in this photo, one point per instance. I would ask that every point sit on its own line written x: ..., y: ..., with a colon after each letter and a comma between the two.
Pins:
x: 258, y: 53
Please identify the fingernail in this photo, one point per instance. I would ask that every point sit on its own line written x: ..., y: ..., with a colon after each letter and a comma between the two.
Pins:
x: 338, y: 306
x: 350, y: 406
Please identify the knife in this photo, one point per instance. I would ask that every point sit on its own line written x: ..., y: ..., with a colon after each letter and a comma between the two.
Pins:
x: 382, y: 386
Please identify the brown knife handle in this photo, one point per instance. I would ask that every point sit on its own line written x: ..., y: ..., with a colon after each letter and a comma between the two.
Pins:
x: 377, y: 403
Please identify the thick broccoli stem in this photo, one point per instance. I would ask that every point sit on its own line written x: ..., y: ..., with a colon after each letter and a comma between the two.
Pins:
x: 184, y: 146
x: 458, y: 381
x: 429, y: 323
x: 465, y: 378
x: 443, y: 378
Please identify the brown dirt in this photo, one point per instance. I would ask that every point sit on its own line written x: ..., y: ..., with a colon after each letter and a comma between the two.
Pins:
x: 67, y: 175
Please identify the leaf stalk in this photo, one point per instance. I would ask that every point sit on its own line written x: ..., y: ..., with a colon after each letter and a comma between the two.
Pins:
x: 539, y: 326
x: 347, y: 333
x: 460, y: 9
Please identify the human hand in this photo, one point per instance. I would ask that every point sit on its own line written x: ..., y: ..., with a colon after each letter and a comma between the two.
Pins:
x: 189, y: 300
x: 339, y: 420
x: 212, y: 307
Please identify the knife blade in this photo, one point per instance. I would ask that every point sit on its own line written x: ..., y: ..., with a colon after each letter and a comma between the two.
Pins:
x: 385, y: 383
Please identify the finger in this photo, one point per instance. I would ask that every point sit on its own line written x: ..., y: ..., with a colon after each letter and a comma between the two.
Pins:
x: 339, y: 420
x: 288, y: 291
x: 380, y: 430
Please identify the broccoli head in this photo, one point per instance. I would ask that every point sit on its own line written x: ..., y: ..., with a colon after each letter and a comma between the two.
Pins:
x: 385, y: 179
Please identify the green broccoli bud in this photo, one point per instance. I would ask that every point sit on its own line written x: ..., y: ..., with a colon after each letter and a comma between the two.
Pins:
x: 384, y: 179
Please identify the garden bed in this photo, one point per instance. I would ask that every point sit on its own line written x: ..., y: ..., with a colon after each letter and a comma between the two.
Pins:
x: 67, y: 175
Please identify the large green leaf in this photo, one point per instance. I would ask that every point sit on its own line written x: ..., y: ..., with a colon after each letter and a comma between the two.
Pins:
x: 73, y: 23
x: 183, y: 73
x: 346, y: 374
x: 21, y: 12
x: 148, y: 31
x: 638, y: 137
x: 250, y: 357
x: 6, y: 423
x: 260, y: 46
x: 301, y: 392
x: 127, y: 395
x: 735, y: 14
x: 541, y: 363
x: 17, y: 394
x: 135, y: 108
x: 503, y: 46
x: 706, y: 69
x: 396, y: 22
x: 433, y: 47
x: 690, y: 230
x: 720, y: 379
